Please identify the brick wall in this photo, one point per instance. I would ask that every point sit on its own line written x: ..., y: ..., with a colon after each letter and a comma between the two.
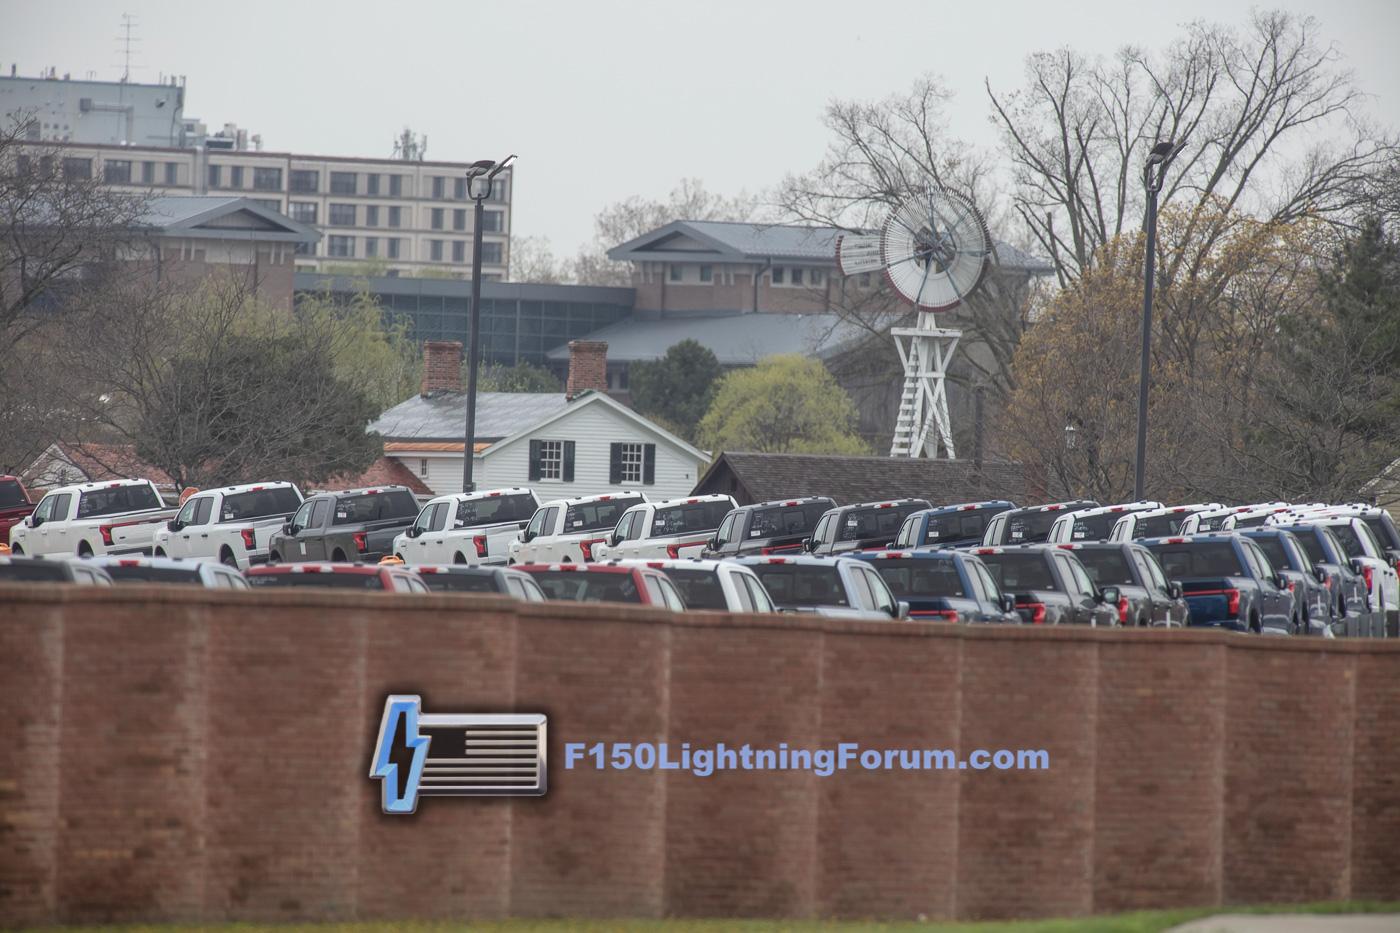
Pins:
x: 588, y: 367
x: 442, y: 366
x: 202, y: 756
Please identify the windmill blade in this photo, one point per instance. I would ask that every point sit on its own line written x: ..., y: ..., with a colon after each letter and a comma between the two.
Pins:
x: 935, y: 249
x: 856, y: 253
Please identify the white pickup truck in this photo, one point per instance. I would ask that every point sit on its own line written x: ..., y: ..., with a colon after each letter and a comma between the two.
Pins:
x: 565, y: 531
x: 110, y: 517
x: 467, y: 527
x: 233, y: 525
x: 674, y: 528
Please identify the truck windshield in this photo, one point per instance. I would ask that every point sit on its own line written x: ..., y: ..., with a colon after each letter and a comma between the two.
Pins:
x: 585, y: 586
x: 1312, y: 546
x: 803, y: 585
x: 592, y: 516
x: 375, y: 506
x: 916, y: 576
x: 1016, y: 573
x: 259, y: 503
x: 496, y: 510
x: 118, y: 500
x: 689, y: 519
x: 699, y: 588
x: 1384, y: 531
x: 1198, y: 559
x: 11, y: 494
x: 1276, y: 553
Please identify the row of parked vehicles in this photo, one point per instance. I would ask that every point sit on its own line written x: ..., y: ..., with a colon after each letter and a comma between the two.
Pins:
x: 1320, y: 569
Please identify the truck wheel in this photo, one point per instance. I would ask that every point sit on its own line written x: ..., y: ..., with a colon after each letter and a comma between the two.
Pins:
x: 338, y: 556
x: 16, y: 550
x: 160, y: 552
x: 458, y: 559
x: 227, y: 559
x: 1298, y: 626
x: 84, y: 549
x: 1254, y: 624
x: 274, y: 558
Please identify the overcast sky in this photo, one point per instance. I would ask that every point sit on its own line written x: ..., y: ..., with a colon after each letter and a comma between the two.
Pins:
x: 602, y: 100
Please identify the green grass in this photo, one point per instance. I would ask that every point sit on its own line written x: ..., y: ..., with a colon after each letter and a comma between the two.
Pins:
x: 1147, y: 921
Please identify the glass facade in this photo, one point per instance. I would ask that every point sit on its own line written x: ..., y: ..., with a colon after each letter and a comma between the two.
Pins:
x: 519, y: 323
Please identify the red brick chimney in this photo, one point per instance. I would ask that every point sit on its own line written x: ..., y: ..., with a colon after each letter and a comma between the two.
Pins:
x: 588, y: 367
x: 442, y: 366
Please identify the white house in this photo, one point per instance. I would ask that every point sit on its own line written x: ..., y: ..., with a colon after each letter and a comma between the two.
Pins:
x: 577, y: 443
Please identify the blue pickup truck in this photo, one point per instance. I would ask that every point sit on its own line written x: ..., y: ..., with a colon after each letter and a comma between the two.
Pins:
x: 1228, y: 582
x: 943, y: 585
x: 959, y: 525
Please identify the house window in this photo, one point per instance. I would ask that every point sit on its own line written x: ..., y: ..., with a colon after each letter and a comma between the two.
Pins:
x: 148, y: 173
x: 343, y: 246
x: 395, y: 186
x: 235, y: 176
x: 342, y: 215
x: 372, y: 213
x: 216, y: 176
x: 344, y: 182
x: 395, y: 215
x: 459, y: 219
x: 423, y: 466
x: 303, y: 211
x: 493, y: 221
x: 796, y: 276
x: 676, y: 273
x: 438, y: 186
x: 814, y: 276
x: 630, y: 461
x: 435, y: 250
x: 707, y: 273
x: 491, y: 253
x: 437, y: 218
x: 551, y: 459
x: 304, y: 180
x: 172, y: 173
x: 393, y: 243
x: 117, y: 172
x: 459, y: 250
x: 371, y: 246
x: 777, y: 275
x: 631, y: 464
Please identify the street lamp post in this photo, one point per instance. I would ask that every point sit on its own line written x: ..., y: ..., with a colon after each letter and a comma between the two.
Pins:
x: 1152, y: 174
x: 480, y: 179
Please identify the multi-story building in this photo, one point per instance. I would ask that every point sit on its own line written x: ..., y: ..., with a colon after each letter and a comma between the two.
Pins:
x: 390, y: 216
x: 115, y: 113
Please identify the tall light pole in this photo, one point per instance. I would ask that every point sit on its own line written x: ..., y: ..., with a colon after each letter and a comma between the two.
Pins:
x: 1152, y: 174
x: 480, y: 179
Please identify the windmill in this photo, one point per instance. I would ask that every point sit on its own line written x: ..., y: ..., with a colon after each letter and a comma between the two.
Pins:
x: 934, y: 250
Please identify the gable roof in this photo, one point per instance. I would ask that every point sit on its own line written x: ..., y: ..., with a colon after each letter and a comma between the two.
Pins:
x: 59, y: 461
x: 599, y: 398
x: 385, y: 471
x: 442, y: 415
x: 761, y: 477
x: 735, y: 338
x: 222, y: 218
x: 749, y: 242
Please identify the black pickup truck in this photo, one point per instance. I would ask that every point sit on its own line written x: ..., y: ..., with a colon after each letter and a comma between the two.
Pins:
x: 354, y: 525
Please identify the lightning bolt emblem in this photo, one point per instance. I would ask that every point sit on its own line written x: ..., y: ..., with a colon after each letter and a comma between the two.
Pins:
x: 400, y: 754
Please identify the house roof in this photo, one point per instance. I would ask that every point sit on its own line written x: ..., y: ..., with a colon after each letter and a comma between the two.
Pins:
x: 735, y: 338
x: 691, y: 240
x: 95, y: 461
x: 441, y: 416
x: 222, y: 218
x: 760, y: 477
x: 600, y: 398
x: 385, y: 471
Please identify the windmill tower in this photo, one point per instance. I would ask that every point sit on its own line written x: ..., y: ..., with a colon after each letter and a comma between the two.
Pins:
x: 934, y: 250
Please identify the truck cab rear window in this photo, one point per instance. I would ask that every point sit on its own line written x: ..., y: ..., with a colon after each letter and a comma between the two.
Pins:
x: 1199, y: 559
x: 1158, y: 526
x: 461, y: 582
x: 344, y: 581
x: 1107, y: 567
x: 1029, y: 527
x: 921, y: 577
x: 1016, y: 573
x: 495, y: 509
x: 592, y: 516
x: 152, y: 575
x: 262, y: 503
x: 700, y: 589
x: 784, y: 520
x: 584, y: 587
x: 802, y: 585
x: 859, y: 524
x: 956, y: 527
x: 11, y: 495
x: 116, y: 500
x: 688, y: 519
x: 374, y: 507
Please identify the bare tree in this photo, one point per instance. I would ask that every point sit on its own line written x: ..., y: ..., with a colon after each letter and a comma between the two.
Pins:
x: 532, y: 259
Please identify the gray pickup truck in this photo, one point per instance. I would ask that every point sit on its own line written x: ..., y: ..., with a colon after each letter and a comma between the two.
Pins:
x: 355, y: 525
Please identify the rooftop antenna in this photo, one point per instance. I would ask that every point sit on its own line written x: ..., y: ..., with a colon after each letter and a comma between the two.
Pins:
x: 934, y: 250
x: 126, y: 39
x: 410, y: 146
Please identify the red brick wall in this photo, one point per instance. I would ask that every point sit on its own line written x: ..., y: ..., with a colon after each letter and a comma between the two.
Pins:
x: 442, y: 366
x: 588, y: 367
x: 177, y: 756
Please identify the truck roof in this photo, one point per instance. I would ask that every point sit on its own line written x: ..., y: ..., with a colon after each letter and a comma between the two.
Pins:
x: 102, y: 484
x: 483, y: 494
x: 367, y: 491
x: 1123, y: 508
x: 1005, y: 504
x: 603, y: 497
x: 247, y: 487
x: 687, y: 500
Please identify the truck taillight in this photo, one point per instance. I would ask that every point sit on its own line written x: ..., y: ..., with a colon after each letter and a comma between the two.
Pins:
x: 480, y: 542
x: 249, y: 540
x: 1366, y: 571
x: 1122, y: 610
x: 673, y: 551
x: 1232, y: 602
x: 586, y: 546
x: 1037, y: 611
x: 361, y: 541
x: 106, y: 532
x: 944, y: 615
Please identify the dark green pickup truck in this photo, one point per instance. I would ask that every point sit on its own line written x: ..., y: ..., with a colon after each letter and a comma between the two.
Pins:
x: 354, y: 525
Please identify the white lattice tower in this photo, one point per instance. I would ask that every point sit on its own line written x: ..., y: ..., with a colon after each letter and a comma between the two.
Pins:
x: 923, y: 424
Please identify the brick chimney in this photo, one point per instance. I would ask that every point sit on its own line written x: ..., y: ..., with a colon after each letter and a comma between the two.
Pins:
x: 442, y: 366
x: 588, y: 367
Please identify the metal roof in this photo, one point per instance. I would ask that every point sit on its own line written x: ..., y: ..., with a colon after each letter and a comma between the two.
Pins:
x: 441, y: 416
x: 735, y: 338
x: 209, y: 217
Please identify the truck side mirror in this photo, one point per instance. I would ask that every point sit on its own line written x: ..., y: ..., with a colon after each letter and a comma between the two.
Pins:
x: 808, y: 544
x: 1319, y: 574
x: 1174, y: 590
x: 173, y: 524
x: 1007, y: 602
x: 33, y: 521
x: 900, y: 610
x: 1109, y: 595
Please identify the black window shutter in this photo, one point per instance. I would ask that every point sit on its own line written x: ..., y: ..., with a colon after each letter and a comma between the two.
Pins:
x: 568, y: 461
x: 615, y: 465
x: 534, y: 460
x: 649, y: 465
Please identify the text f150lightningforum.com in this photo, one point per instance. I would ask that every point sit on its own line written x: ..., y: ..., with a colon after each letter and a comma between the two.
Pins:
x: 705, y: 760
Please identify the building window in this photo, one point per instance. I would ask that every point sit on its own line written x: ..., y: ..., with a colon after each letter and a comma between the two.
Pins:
x: 395, y: 186
x: 393, y: 243
x: 777, y: 275
x: 423, y: 466
x: 306, y: 249
x: 371, y: 214
x: 303, y: 211
x: 371, y: 183
x: 342, y: 215
x: 796, y: 276
x: 491, y: 253
x: 435, y: 250
x: 493, y: 221
x: 499, y: 188
x: 216, y: 176
x: 304, y: 181
x: 395, y: 215
x: 267, y: 179
x: 172, y: 173
x: 342, y: 246
x: 676, y: 273
x: 437, y: 218
x: 707, y: 273
x: 459, y: 219
x: 459, y: 189
x: 438, y: 186
x: 371, y: 246
x: 116, y: 171
x: 344, y: 182
x: 235, y: 176
x: 551, y: 459
x: 148, y: 173
x: 814, y: 276
x: 629, y: 459
x: 459, y: 251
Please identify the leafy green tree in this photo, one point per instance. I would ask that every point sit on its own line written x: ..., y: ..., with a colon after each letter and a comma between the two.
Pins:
x: 375, y: 354
x: 679, y: 387
x: 522, y: 377
x: 785, y: 404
